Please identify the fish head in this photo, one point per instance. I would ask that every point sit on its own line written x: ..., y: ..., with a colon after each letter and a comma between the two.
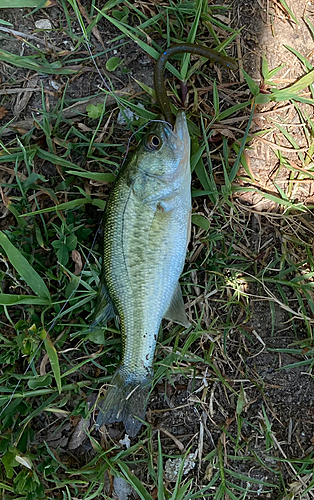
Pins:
x: 161, y: 166
x: 164, y: 150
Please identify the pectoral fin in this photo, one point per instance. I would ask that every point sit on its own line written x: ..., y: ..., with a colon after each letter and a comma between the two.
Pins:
x: 104, y: 309
x: 176, y: 311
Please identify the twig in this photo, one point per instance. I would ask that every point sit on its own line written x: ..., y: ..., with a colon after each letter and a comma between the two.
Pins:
x: 174, y: 439
x: 281, y: 148
x: 30, y: 37
x: 240, y: 60
x: 18, y: 90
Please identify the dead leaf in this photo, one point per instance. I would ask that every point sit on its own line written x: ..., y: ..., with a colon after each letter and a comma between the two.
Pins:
x: 77, y: 259
x: 83, y: 127
x: 75, y: 419
x: 21, y: 130
x: 79, y: 434
x: 5, y: 199
x: 57, y: 437
x: 23, y: 97
x: 223, y: 19
x: 104, y: 130
x: 70, y: 113
x: 3, y: 112
x: 44, y: 362
x: 226, y: 132
x: 154, y: 493
x: 208, y: 472
x: 10, y: 171
x: 175, y: 440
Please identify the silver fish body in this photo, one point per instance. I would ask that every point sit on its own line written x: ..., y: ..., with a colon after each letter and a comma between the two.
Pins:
x: 146, y: 232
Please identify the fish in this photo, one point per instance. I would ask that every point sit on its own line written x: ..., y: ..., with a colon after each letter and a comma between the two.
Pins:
x: 147, y: 224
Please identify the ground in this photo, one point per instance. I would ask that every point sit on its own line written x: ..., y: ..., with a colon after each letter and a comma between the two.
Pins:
x: 233, y: 394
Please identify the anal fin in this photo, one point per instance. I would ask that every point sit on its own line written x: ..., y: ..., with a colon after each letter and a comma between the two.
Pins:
x: 176, y: 311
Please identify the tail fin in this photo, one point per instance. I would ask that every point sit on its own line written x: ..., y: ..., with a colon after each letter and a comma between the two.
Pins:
x: 125, y: 400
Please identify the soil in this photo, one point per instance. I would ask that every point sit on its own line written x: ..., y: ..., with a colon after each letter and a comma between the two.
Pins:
x: 272, y: 36
x: 286, y: 394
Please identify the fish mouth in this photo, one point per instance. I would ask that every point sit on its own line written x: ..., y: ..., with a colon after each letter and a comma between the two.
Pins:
x: 181, y: 127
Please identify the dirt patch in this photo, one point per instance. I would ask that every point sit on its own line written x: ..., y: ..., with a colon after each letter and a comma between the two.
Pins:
x: 276, y: 34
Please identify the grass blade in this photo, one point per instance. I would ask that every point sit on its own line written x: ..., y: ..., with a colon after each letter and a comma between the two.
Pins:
x: 96, y: 176
x: 301, y: 84
x: 23, y: 4
x: 303, y: 59
x: 287, y: 8
x: 254, y: 88
x: 69, y: 205
x: 233, y: 109
x: 54, y: 360
x: 29, y: 62
x: 135, y: 482
x: 271, y: 197
x: 23, y: 267
x: 8, y: 299
x: 191, y: 37
x: 236, y: 165
x: 150, y: 50
x: 160, y: 481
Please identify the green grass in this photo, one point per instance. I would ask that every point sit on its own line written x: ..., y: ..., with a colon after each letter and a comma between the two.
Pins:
x: 50, y: 261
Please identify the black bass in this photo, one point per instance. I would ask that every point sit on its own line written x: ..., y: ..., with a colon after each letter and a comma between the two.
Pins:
x: 146, y: 233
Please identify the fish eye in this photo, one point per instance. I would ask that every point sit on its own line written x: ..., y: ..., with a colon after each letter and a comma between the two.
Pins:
x: 153, y: 142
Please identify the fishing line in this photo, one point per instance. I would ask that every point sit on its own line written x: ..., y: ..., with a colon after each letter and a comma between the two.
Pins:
x: 96, y: 66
